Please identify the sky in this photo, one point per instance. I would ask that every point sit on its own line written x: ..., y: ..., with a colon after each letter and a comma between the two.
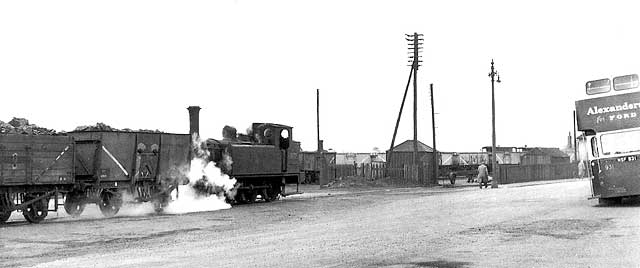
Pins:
x: 139, y: 64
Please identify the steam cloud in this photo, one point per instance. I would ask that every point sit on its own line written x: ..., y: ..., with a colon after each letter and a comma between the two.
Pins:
x: 208, y: 187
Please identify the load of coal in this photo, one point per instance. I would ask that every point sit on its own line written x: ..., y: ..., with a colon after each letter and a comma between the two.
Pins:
x: 22, y: 126
x: 104, y: 127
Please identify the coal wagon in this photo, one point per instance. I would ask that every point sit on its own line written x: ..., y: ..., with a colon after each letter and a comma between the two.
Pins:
x: 101, y: 167
x: 139, y: 166
x: 33, y: 170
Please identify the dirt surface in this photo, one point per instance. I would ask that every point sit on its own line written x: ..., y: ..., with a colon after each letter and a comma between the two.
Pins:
x: 520, y: 225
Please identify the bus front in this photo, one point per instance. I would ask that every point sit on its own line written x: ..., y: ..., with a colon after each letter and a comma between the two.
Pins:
x: 610, y: 123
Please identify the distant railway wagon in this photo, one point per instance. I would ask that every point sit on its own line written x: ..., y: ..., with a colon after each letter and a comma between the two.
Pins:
x: 453, y: 164
x: 88, y: 167
x: 310, y: 166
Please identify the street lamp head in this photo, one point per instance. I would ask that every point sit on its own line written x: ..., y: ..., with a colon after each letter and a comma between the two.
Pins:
x: 498, y: 79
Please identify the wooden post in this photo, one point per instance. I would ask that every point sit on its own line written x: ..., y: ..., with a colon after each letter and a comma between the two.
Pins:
x: 575, y: 139
x: 415, y: 98
x: 433, y: 128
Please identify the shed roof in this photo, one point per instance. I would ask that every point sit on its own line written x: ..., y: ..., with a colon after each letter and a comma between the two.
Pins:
x: 407, y: 146
x: 553, y: 152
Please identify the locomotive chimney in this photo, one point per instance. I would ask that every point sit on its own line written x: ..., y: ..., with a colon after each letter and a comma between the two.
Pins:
x: 194, y: 119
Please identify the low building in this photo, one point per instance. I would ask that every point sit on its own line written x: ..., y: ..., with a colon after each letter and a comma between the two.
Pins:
x: 400, y: 158
x: 541, y: 155
x: 358, y: 158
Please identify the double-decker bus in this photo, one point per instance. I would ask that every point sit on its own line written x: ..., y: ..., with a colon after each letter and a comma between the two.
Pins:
x: 610, y: 122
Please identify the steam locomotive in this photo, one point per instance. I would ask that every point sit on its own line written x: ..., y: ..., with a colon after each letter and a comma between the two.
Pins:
x: 103, y: 167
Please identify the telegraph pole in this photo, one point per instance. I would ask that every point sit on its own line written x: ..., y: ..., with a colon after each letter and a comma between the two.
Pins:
x: 575, y: 139
x: 494, y: 167
x: 433, y: 128
x: 415, y: 60
x: 318, y: 118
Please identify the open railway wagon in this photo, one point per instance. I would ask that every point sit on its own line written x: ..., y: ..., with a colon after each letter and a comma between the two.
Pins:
x: 453, y: 165
x: 262, y: 163
x: 99, y: 167
x: 310, y: 166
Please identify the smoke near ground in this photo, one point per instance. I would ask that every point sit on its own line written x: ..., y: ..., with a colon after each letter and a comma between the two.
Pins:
x: 208, y: 187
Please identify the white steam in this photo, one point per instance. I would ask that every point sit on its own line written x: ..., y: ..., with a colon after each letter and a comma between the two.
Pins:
x: 204, y: 172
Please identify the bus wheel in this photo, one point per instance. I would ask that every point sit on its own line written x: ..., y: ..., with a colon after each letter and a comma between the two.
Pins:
x: 110, y: 203
x: 37, y: 211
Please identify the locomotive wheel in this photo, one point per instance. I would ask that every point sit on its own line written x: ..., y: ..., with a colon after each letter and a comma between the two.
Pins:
x: 74, y: 204
x: 37, y: 211
x: 109, y: 204
x: 270, y: 194
x: 5, y: 203
x: 265, y: 195
x: 250, y: 196
x: 239, y: 197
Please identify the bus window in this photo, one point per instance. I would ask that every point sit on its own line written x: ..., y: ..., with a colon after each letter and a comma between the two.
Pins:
x: 594, y: 147
x: 620, y: 142
x: 625, y: 82
x: 598, y: 86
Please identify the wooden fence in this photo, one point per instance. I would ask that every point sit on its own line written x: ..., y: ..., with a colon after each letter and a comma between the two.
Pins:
x: 411, y: 175
x: 370, y: 171
x: 540, y: 172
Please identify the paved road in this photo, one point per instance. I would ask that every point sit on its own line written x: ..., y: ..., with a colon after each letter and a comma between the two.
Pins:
x: 520, y: 225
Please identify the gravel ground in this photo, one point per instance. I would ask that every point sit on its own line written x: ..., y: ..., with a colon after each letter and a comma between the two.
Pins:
x: 550, y: 224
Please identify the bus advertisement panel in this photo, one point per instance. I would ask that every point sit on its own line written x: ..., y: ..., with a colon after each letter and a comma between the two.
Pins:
x: 609, y: 113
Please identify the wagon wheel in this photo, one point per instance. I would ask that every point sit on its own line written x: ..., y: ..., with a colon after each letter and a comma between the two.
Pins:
x: 37, y: 211
x: 110, y: 203
x: 160, y: 203
x: 4, y: 216
x: 74, y: 204
x: 5, y: 203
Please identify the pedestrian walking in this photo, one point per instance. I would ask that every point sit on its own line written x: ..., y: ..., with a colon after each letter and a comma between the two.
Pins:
x: 483, y: 175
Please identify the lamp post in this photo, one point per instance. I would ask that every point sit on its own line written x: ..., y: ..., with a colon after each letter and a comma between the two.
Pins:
x: 493, y: 74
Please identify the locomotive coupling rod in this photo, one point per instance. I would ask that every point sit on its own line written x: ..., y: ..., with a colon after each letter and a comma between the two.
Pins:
x: 253, y: 187
x: 26, y: 204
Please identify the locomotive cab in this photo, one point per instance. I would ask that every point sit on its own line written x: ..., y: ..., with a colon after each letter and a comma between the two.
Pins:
x: 272, y: 134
